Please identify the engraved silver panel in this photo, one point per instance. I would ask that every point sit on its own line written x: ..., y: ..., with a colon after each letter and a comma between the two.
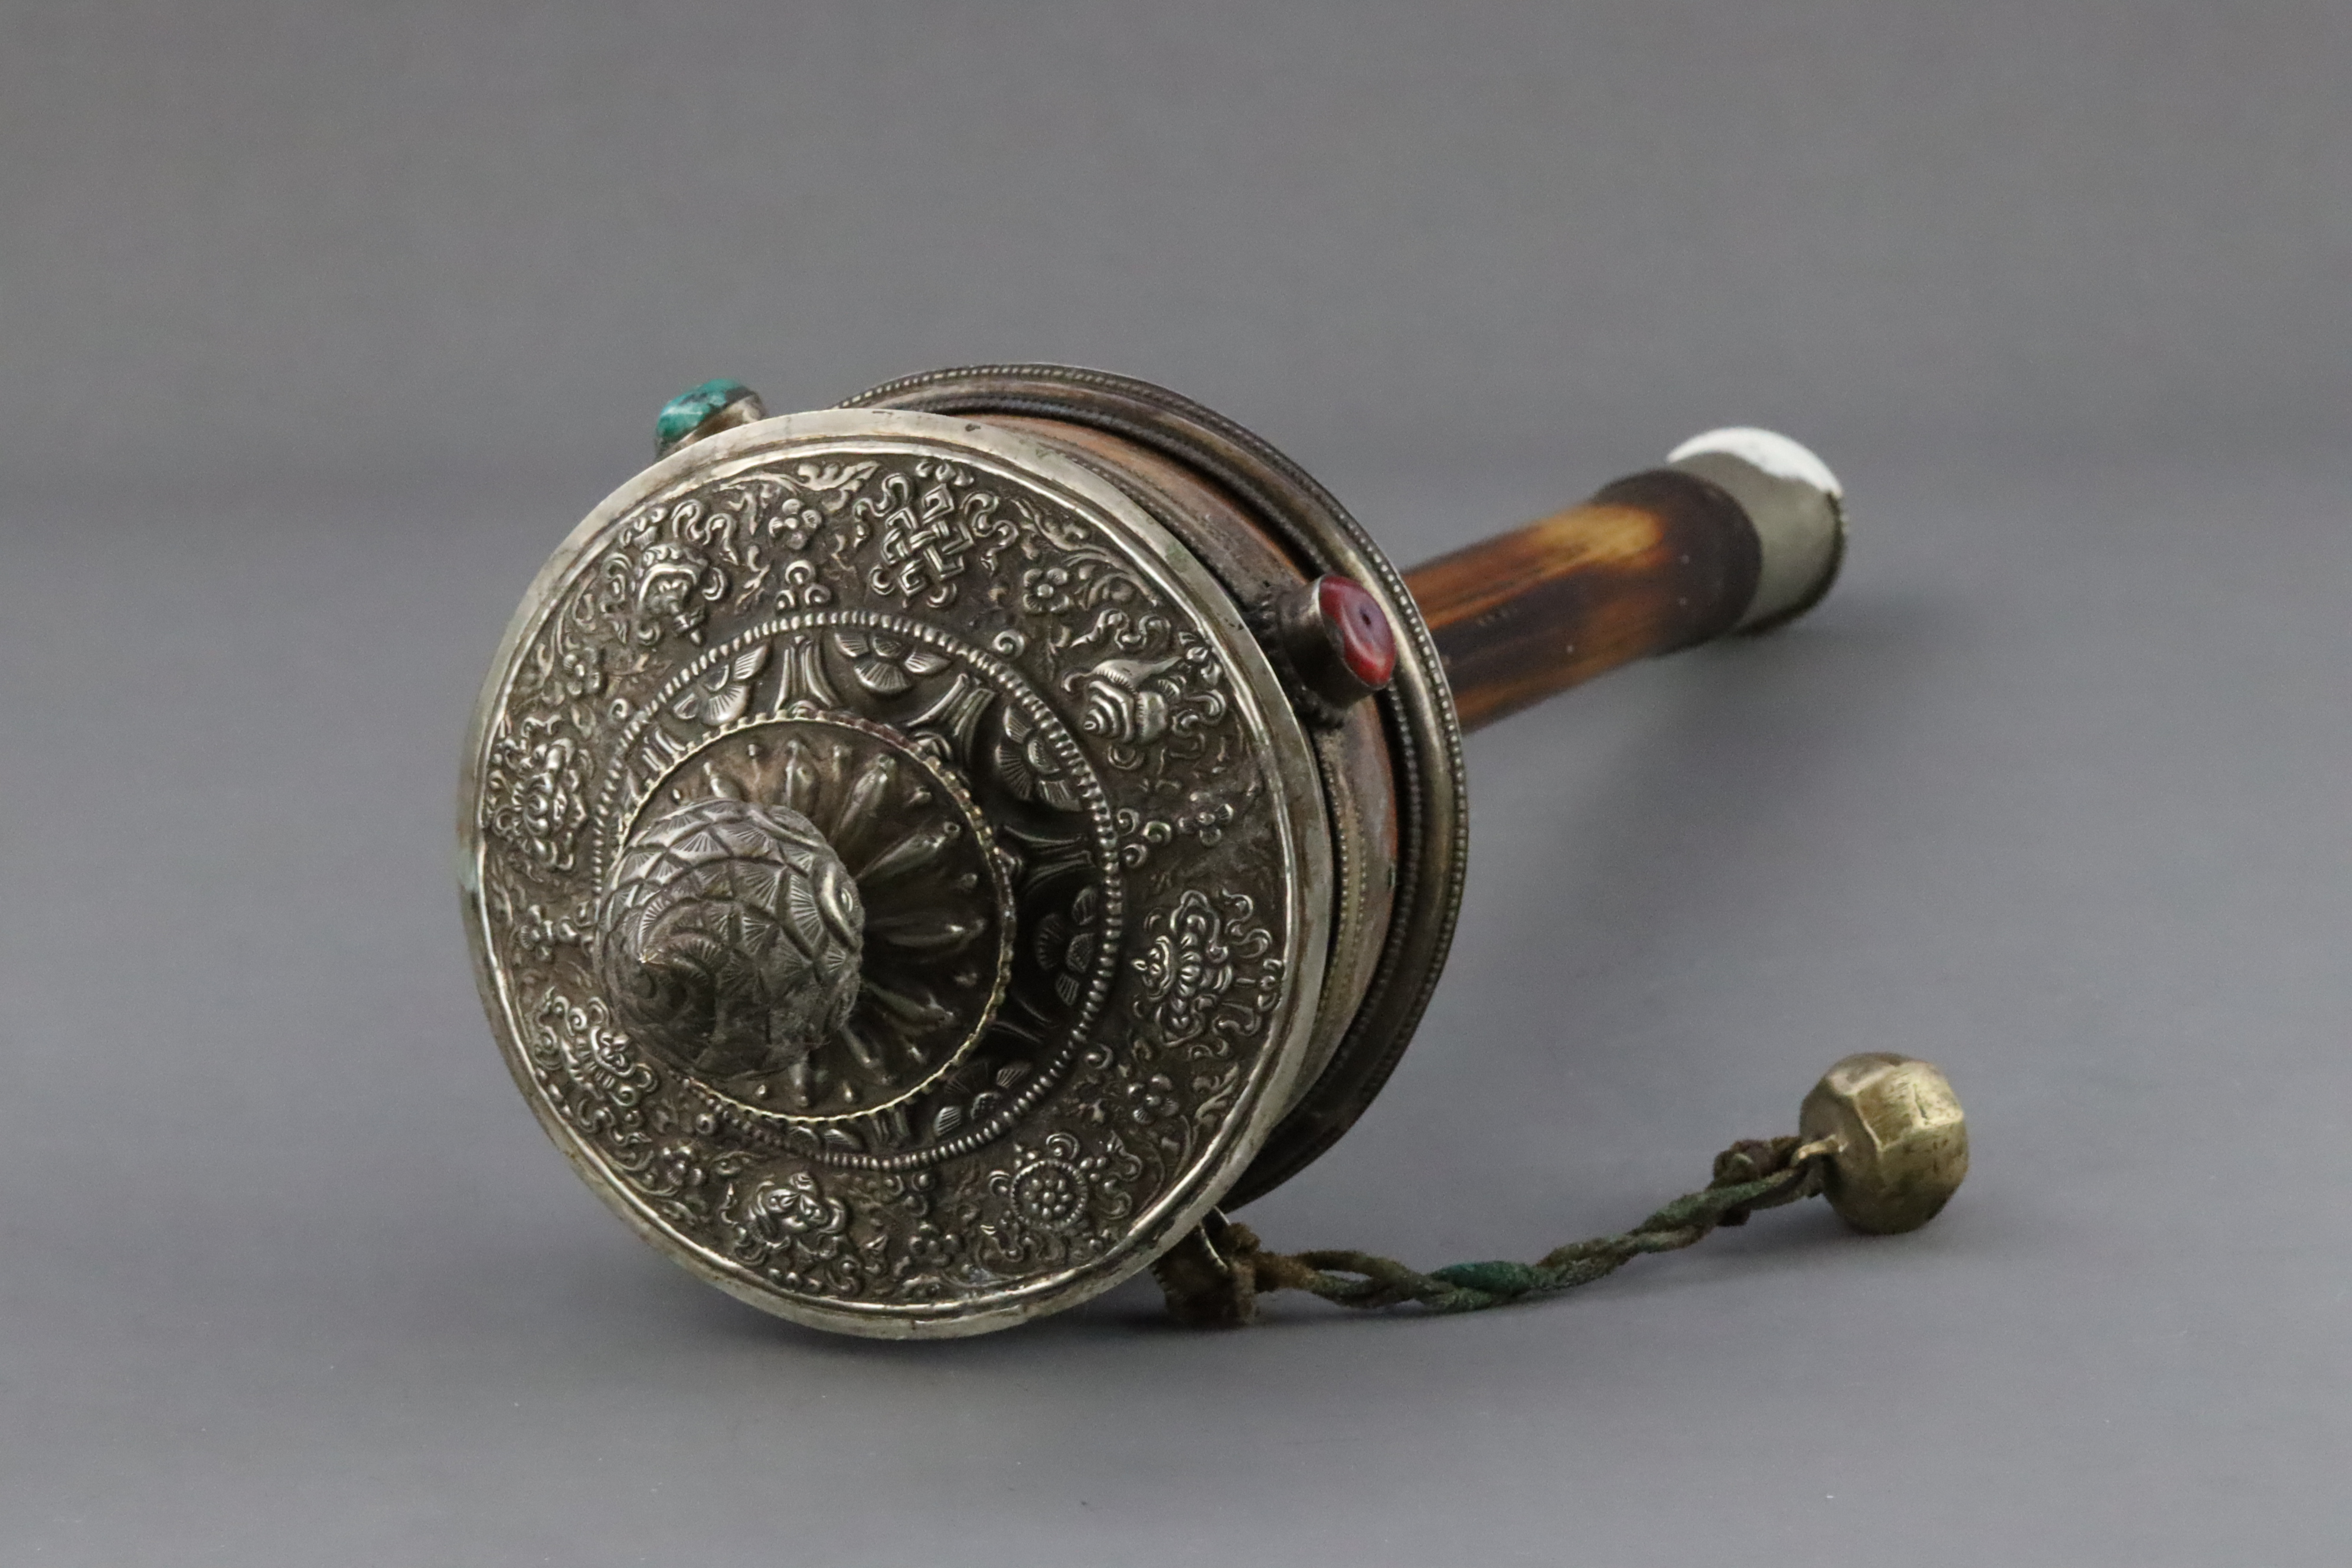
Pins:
x: 896, y: 877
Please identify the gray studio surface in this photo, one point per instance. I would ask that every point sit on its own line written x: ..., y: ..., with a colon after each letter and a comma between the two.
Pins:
x: 323, y: 325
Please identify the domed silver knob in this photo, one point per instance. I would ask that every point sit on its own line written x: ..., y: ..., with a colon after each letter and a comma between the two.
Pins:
x: 732, y: 937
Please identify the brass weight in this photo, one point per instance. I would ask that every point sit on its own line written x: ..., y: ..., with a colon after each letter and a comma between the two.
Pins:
x: 1897, y: 1145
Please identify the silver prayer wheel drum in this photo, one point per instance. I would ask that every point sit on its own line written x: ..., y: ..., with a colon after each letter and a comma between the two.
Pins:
x: 920, y: 857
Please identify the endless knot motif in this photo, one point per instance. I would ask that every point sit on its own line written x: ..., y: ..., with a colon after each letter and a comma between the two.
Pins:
x: 927, y: 533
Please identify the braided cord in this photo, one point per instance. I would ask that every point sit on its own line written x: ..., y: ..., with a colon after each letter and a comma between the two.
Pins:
x: 1214, y: 1275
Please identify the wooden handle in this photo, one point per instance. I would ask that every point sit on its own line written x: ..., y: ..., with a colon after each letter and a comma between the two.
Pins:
x: 1653, y: 563
x: 1742, y: 531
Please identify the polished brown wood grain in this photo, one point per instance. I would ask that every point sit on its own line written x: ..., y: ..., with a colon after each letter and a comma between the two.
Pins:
x: 1656, y: 562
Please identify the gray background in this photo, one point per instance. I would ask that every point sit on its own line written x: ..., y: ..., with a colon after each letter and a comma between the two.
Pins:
x: 320, y: 324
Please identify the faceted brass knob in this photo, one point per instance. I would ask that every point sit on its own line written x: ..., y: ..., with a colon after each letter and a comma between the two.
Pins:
x: 1899, y: 1144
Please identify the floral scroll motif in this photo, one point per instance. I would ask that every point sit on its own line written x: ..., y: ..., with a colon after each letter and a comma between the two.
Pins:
x: 534, y: 788
x: 539, y: 930
x: 1055, y: 1199
x: 561, y: 670
x: 1073, y: 571
x: 794, y: 511
x: 597, y: 1082
x: 1209, y: 977
x: 790, y: 1229
x: 682, y: 1174
x: 789, y: 1216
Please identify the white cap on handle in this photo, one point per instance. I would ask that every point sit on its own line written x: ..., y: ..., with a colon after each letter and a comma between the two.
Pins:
x: 1794, y: 502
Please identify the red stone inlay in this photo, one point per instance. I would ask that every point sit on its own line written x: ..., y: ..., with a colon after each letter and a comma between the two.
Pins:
x: 1367, y: 643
